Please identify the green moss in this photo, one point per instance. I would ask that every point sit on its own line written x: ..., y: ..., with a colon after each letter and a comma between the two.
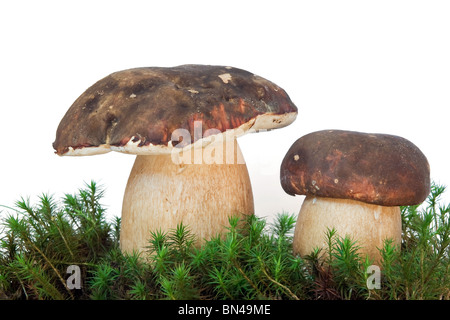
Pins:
x: 253, y: 260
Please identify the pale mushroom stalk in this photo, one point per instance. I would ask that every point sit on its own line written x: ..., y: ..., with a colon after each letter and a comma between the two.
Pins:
x: 202, y: 196
x: 369, y: 224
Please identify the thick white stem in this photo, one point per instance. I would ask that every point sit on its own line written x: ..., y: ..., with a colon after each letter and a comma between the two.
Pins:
x: 369, y: 224
x: 161, y: 193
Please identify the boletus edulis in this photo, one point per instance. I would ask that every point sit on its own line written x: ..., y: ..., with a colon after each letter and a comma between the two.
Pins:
x: 354, y: 182
x: 182, y: 123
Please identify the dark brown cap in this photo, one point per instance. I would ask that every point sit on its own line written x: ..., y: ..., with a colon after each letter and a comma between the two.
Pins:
x: 373, y: 168
x: 137, y: 110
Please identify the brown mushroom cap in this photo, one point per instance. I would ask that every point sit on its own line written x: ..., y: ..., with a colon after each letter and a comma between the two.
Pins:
x: 137, y: 110
x: 373, y: 168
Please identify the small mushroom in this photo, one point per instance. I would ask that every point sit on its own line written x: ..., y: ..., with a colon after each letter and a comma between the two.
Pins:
x: 182, y: 123
x: 353, y: 182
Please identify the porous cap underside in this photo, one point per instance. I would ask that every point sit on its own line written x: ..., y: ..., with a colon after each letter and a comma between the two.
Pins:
x: 137, y: 110
x: 373, y: 168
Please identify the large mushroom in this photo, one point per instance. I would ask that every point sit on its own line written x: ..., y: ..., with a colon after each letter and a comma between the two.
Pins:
x: 353, y: 182
x: 182, y: 123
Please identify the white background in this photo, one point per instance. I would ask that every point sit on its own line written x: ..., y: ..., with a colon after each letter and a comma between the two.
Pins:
x: 371, y: 66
